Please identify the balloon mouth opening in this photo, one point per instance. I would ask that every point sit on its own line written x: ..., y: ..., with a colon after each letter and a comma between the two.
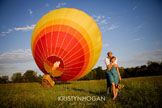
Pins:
x: 48, y: 64
x: 52, y: 59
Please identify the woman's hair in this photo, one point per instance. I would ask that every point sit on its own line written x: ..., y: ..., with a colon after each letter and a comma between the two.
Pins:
x: 109, y: 52
x: 113, y: 57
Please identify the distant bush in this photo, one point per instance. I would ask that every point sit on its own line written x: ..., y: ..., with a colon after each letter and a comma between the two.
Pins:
x: 4, y: 79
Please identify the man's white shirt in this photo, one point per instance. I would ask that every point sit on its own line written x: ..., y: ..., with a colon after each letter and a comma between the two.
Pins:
x: 107, y: 61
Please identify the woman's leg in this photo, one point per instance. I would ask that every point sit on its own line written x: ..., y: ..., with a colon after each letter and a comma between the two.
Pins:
x: 114, y: 90
x: 116, y: 85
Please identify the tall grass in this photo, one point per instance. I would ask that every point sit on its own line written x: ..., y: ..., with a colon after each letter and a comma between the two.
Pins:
x: 138, y: 92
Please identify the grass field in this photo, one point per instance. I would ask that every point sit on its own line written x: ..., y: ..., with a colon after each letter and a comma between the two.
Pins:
x: 138, y: 92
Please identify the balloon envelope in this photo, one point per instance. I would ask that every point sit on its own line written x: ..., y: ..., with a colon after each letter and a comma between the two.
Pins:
x: 70, y: 36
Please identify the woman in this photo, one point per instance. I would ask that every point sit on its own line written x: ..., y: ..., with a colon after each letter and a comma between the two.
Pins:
x: 113, y: 75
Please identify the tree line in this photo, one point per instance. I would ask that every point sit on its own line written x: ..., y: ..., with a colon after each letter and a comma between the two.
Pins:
x: 18, y: 77
x: 151, y: 69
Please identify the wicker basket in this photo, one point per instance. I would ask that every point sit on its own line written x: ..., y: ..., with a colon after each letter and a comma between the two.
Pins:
x: 47, y: 81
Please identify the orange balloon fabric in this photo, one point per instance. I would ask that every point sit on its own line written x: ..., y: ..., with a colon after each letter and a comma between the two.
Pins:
x: 70, y: 36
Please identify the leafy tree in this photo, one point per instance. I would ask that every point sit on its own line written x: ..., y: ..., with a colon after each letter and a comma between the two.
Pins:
x: 122, y: 72
x: 4, y: 79
x: 17, y: 77
x: 39, y: 78
x: 154, y: 68
x: 30, y: 76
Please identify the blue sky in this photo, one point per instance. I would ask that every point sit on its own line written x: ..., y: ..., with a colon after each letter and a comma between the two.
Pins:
x: 131, y: 29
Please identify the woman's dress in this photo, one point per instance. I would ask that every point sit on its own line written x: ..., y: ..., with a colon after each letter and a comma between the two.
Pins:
x: 112, y: 75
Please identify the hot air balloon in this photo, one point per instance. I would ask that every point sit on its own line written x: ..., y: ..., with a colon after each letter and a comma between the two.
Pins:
x: 69, y: 36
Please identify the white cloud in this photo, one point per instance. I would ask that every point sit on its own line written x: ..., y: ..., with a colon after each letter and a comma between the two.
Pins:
x: 8, y: 68
x: 101, y: 19
x: 142, y: 58
x: 105, y: 45
x: 5, y: 33
x: 139, y: 26
x: 113, y: 27
x: 138, y: 39
x: 104, y: 23
x: 18, y: 60
x: 30, y: 11
x: 61, y: 4
x: 25, y: 28
x: 16, y: 56
x: 47, y: 5
x: 134, y: 8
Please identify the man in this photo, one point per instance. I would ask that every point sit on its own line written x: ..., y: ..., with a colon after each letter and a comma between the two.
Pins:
x: 107, y: 62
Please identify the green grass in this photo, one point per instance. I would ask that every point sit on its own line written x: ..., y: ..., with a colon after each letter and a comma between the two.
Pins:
x: 138, y: 92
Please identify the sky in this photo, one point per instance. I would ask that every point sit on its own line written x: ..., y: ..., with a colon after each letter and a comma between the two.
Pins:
x: 131, y: 29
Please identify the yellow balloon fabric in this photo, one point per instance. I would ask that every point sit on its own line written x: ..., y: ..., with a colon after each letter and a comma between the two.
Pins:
x: 70, y: 36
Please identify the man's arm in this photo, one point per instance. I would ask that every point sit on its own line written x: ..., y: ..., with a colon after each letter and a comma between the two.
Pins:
x: 107, y: 62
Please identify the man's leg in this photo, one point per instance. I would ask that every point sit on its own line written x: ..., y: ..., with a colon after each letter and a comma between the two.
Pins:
x: 108, y: 88
x: 108, y: 91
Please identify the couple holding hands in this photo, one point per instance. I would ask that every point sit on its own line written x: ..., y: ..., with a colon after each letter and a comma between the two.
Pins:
x: 112, y: 75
